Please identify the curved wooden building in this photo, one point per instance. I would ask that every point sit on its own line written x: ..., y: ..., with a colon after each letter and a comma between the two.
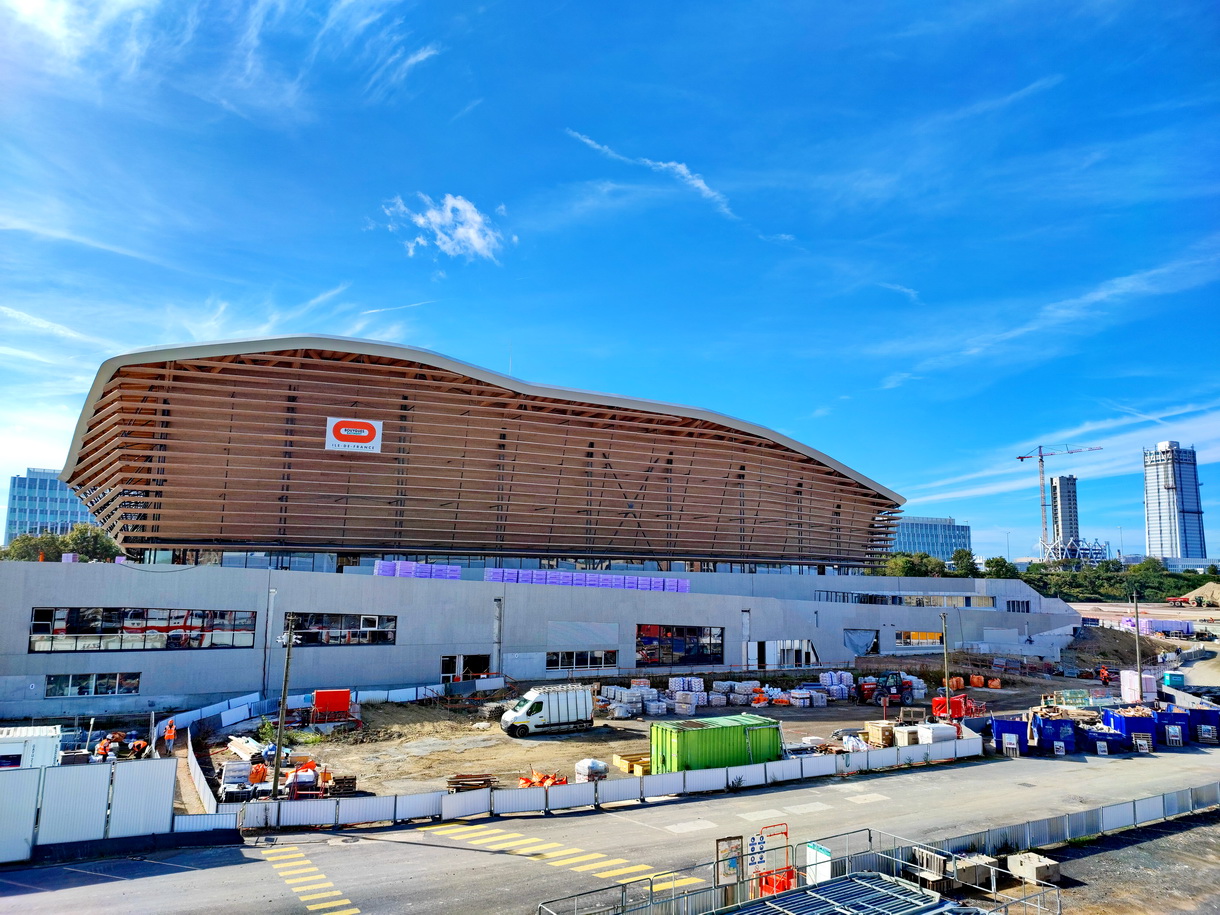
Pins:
x: 351, y: 446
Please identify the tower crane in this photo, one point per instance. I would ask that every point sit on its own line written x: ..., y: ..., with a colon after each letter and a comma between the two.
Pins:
x: 1041, y: 453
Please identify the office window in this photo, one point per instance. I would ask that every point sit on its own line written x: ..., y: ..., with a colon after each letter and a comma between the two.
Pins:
x: 344, y: 629
x: 1018, y: 606
x: 138, y: 629
x: 668, y: 646
x: 63, y: 686
x: 917, y: 638
x: 581, y: 660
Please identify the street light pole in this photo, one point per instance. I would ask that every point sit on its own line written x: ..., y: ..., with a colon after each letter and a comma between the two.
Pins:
x: 1120, y: 542
x: 944, y: 639
x: 1007, y: 546
x: 288, y: 638
x: 1139, y: 668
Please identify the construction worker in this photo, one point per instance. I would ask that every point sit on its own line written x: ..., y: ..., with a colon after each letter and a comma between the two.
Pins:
x: 139, y: 748
x: 103, y: 747
x: 171, y: 733
x: 1104, y: 675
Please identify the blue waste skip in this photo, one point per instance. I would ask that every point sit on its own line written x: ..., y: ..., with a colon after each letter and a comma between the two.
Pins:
x: 1172, y: 717
x: 1129, y: 726
x: 1002, y: 726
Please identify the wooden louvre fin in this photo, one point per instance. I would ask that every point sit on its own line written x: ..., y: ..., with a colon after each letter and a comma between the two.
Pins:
x: 227, y: 450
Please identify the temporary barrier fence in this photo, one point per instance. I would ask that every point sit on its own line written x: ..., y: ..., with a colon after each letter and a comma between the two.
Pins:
x: 873, y: 850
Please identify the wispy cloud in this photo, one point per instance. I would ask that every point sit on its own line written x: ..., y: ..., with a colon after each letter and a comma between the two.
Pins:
x: 903, y: 290
x: 677, y: 170
x: 986, y: 106
x: 29, y: 322
x: 377, y: 311
x: 454, y: 226
x: 465, y: 111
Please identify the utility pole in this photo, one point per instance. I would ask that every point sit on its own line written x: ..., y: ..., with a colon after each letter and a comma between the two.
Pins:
x: 944, y: 641
x: 288, y: 638
x: 1139, y: 669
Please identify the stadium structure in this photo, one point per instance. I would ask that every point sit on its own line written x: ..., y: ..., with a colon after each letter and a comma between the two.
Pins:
x: 425, y: 520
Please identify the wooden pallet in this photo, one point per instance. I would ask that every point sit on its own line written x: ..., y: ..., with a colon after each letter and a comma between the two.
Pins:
x: 626, y: 761
x: 459, y: 783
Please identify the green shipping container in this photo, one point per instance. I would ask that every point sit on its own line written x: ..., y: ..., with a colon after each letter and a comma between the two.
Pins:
x: 711, y: 743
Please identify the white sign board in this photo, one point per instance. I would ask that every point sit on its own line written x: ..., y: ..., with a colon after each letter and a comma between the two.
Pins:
x: 353, y: 434
x: 817, y: 863
x: 756, y: 854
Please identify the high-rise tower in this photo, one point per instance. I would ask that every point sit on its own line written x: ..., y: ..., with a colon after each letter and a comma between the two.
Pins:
x: 1064, y: 520
x: 1173, y: 514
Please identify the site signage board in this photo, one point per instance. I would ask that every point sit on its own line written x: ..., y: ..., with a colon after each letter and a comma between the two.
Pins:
x: 346, y: 434
x: 728, y: 860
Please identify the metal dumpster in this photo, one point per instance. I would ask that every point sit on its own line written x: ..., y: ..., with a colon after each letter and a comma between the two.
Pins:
x: 1172, y: 726
x: 1205, y: 725
x: 1015, y: 727
x: 710, y: 743
x: 1130, y: 726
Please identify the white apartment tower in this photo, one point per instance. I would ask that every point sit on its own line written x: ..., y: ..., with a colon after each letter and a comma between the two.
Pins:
x: 1066, y: 523
x: 1173, y: 513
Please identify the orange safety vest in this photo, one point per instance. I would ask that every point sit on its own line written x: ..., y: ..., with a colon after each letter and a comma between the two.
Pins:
x: 171, y: 732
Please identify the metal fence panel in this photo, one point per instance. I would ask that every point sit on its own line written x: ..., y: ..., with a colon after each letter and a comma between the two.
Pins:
x: 18, y: 805
x: 372, y: 695
x: 209, y: 710
x: 816, y: 766
x: 946, y: 749
x: 1117, y: 816
x: 968, y: 746
x: 143, y: 800
x: 182, y: 720
x: 1177, y: 802
x: 785, y: 770
x: 204, y: 822
x: 73, y: 803
x: 885, y: 758
x: 417, y: 806
x: 1148, y: 809
x: 365, y: 810
x: 1084, y: 823
x: 228, y: 808
x: 851, y: 762
x: 1205, y: 796
x: 517, y: 800
x: 563, y: 797
x: 307, y: 813
x: 402, y: 695
x: 908, y: 756
x: 966, y: 844
x: 662, y: 785
x: 628, y: 789
x: 243, y: 700
x: 466, y: 803
x: 258, y: 815
x: 750, y: 776
x: 234, y: 715
x: 706, y: 780
x: 1008, y: 838
x: 302, y: 701
x: 1047, y: 831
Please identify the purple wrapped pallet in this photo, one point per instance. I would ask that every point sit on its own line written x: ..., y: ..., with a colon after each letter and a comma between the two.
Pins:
x: 422, y: 570
x: 631, y: 583
x: 554, y: 577
x: 656, y: 584
x: 493, y: 575
x: 404, y: 569
x: 509, y: 575
x: 565, y: 578
x: 579, y: 579
x: 671, y: 584
x: 383, y: 567
x: 684, y: 586
x: 617, y: 581
x: 453, y: 573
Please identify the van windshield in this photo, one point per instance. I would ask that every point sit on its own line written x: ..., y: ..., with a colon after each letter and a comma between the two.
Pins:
x: 521, y: 704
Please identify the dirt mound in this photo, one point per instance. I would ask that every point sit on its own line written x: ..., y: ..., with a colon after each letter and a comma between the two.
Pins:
x: 1210, y: 593
x: 1096, y: 645
x: 390, y: 722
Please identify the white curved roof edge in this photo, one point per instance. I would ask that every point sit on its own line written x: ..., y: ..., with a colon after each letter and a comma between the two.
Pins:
x: 439, y: 360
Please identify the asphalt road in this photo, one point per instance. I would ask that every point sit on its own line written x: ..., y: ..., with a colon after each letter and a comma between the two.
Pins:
x: 509, y: 864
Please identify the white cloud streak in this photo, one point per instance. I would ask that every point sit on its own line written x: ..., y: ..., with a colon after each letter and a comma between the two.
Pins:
x: 377, y: 311
x: 676, y: 170
x: 454, y: 226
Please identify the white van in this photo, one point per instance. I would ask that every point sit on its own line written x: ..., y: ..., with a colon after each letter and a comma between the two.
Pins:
x: 550, y: 708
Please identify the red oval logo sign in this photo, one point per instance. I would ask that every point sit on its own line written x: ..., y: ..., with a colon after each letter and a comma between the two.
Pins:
x: 353, y: 430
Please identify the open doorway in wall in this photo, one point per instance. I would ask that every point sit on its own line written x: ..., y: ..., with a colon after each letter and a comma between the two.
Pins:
x: 862, y: 641
x: 780, y: 654
x: 458, y: 667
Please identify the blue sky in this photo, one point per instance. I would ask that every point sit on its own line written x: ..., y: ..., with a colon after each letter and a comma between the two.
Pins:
x: 923, y: 238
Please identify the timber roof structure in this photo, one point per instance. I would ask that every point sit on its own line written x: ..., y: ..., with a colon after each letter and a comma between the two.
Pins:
x: 223, y: 445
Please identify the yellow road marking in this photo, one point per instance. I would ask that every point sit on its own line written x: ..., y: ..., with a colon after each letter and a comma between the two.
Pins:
x: 443, y: 825
x: 291, y: 863
x: 303, y: 870
x: 596, y: 864
x: 686, y: 881
x: 624, y: 870
x: 561, y: 853
x: 512, y: 842
x: 277, y: 849
x: 450, y: 829
x: 536, y: 848
x: 311, y: 886
x: 481, y: 839
x: 299, y: 879
x: 321, y: 895
x: 566, y: 861
x: 327, y: 905
x: 345, y: 912
x: 299, y: 854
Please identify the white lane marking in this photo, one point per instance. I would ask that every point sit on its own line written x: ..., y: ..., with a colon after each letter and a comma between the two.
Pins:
x: 761, y: 814
x: 867, y: 798
x: 846, y: 787
x: 807, y: 808
x: 635, y: 822
x: 692, y: 826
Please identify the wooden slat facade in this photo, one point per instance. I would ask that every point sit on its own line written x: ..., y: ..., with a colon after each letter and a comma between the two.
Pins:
x: 227, y: 451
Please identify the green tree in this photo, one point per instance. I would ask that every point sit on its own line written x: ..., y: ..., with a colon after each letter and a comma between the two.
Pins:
x: 28, y: 548
x: 999, y: 567
x: 964, y: 564
x: 1213, y: 570
x: 91, y: 543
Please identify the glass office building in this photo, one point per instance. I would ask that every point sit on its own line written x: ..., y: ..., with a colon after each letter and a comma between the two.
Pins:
x: 937, y: 537
x: 1173, y: 513
x: 39, y: 502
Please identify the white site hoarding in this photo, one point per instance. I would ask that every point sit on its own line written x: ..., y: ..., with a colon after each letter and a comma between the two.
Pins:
x: 346, y: 434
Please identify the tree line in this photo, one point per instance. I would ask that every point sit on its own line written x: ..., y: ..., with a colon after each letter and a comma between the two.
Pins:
x: 1070, y: 580
x: 89, y: 542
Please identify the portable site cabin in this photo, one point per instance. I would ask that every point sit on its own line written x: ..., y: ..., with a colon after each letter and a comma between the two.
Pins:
x: 29, y: 747
x: 710, y: 743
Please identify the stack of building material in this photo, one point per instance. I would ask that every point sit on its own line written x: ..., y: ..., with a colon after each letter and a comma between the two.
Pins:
x: 627, y: 761
x: 655, y: 708
x: 906, y: 736
x: 722, y: 686
x: 746, y: 687
x: 591, y: 770
x: 881, y: 733
x: 717, y: 700
x: 641, y: 682
x: 740, y: 698
x: 459, y: 783
x: 936, y: 733
x: 800, y: 698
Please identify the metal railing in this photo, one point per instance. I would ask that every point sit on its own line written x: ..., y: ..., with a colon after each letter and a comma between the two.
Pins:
x: 873, y: 850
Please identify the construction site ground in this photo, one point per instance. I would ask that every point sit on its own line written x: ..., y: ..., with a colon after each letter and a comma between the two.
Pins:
x: 414, y: 748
